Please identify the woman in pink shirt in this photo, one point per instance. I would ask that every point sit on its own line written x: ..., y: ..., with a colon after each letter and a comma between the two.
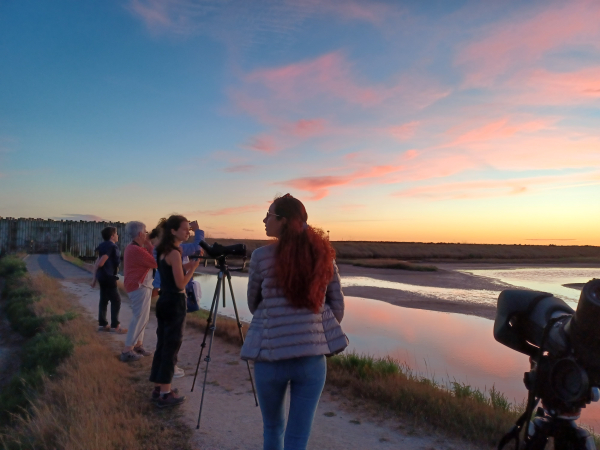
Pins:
x: 139, y: 267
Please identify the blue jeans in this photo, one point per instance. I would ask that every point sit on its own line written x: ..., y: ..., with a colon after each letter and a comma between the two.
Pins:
x: 306, y: 377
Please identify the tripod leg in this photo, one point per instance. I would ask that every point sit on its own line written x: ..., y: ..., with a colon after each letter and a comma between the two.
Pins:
x: 207, y: 359
x: 208, y: 322
x: 239, y: 324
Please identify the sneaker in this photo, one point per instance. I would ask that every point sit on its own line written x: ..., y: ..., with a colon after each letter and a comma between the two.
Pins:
x: 129, y: 356
x: 171, y: 399
x: 119, y: 330
x: 156, y: 393
x: 178, y: 373
x: 141, y: 351
x: 104, y: 328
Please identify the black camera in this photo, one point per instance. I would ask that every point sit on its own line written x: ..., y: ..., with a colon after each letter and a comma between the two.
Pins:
x: 221, y: 251
x: 564, y: 349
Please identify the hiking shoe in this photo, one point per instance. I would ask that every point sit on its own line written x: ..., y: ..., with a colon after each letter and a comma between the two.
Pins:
x: 156, y: 393
x: 129, y: 356
x: 171, y: 399
x: 119, y: 330
x: 178, y: 373
x: 141, y: 351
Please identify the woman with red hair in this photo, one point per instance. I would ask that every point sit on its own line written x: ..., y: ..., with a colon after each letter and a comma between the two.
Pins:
x: 295, y: 296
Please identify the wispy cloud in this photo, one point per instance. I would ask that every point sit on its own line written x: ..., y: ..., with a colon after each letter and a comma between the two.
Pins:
x: 230, y: 211
x: 524, y: 38
x: 239, y: 168
x: 84, y: 217
x: 319, y: 186
x: 498, y: 188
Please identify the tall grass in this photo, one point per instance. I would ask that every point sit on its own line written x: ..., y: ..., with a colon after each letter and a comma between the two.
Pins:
x: 455, y: 408
x: 77, y: 394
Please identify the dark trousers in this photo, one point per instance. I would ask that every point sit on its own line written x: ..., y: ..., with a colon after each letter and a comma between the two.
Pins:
x: 170, y: 317
x: 109, y: 293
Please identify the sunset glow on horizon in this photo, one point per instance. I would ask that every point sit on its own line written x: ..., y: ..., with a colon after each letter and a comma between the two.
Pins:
x: 459, y: 121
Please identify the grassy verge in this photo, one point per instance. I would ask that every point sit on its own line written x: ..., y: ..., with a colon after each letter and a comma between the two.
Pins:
x: 458, y: 409
x: 72, y: 392
x: 74, y: 260
x: 388, y: 264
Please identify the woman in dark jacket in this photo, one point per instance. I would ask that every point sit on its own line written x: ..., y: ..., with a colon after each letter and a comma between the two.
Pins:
x: 295, y: 297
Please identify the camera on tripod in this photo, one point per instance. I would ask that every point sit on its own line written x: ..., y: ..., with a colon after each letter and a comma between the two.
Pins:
x: 217, y: 250
x: 564, y: 346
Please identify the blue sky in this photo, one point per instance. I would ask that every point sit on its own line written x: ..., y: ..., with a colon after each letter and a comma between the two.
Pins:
x: 411, y: 121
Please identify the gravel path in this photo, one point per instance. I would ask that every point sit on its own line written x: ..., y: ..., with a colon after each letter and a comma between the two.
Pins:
x: 230, y: 419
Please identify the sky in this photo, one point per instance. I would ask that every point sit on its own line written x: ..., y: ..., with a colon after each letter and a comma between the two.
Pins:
x: 427, y: 121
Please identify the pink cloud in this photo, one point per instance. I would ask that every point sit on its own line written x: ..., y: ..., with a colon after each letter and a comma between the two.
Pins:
x: 319, y: 186
x: 327, y: 76
x: 263, y: 143
x: 306, y: 128
x: 522, y: 41
x: 541, y: 87
x: 500, y: 129
x: 404, y: 131
x: 498, y: 188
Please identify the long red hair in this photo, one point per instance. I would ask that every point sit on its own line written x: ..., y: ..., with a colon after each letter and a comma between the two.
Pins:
x: 304, y: 256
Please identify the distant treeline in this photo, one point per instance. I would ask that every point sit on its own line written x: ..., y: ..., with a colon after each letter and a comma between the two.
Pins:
x: 417, y: 251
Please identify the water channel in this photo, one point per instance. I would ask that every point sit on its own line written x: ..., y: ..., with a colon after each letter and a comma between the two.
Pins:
x: 446, y: 346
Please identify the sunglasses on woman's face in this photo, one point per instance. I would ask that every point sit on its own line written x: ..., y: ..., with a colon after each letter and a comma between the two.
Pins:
x: 271, y: 214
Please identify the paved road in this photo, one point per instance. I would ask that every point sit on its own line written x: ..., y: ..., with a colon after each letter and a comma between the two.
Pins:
x: 54, y: 266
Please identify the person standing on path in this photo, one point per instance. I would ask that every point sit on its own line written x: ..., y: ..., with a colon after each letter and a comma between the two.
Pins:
x: 295, y: 296
x: 139, y: 268
x: 170, y: 308
x: 186, y: 249
x: 105, y: 272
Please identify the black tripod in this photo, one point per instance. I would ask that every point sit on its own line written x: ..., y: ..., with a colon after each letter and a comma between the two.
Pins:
x: 211, y: 325
x: 567, y: 435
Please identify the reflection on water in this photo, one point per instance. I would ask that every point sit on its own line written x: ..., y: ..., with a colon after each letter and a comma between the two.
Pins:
x: 444, y: 345
x: 543, y: 279
x: 462, y: 295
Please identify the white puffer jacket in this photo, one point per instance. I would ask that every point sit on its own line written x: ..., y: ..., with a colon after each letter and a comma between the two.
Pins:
x: 282, y: 331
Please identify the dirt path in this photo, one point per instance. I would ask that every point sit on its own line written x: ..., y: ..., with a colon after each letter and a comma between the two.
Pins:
x: 230, y: 419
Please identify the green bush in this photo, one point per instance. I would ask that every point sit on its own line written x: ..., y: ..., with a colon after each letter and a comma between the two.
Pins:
x: 44, y: 350
x: 12, y: 266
